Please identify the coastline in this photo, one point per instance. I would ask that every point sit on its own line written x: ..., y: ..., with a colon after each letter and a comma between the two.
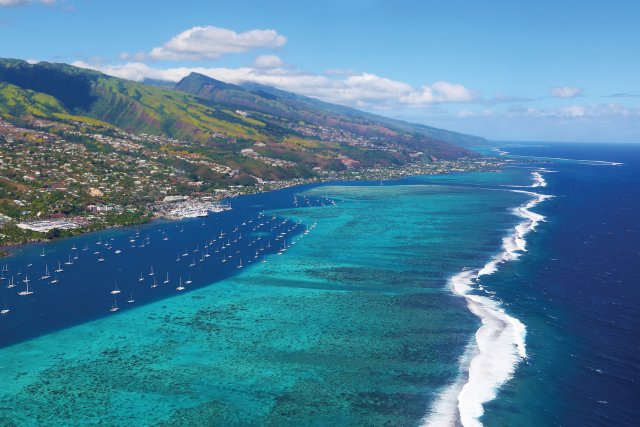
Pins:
x: 483, y: 164
x: 499, y: 345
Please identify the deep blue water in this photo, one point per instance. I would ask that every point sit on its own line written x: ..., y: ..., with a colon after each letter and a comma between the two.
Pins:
x: 578, y: 292
x: 143, y: 249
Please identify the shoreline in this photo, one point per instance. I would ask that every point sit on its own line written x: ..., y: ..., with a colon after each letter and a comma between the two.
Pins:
x: 499, y: 345
x: 493, y: 164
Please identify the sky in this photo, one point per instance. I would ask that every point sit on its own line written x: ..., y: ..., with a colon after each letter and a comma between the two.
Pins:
x: 526, y: 70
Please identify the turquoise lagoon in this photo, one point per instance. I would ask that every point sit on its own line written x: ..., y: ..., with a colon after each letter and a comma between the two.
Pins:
x: 354, y: 324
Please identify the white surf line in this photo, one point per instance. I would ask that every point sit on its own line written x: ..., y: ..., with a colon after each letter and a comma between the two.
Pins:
x: 491, y: 360
x: 583, y: 161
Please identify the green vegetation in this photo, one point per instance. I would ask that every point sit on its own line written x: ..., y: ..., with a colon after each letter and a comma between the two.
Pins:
x: 102, y: 151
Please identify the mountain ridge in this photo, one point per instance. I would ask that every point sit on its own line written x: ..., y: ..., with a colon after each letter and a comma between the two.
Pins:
x: 242, y: 126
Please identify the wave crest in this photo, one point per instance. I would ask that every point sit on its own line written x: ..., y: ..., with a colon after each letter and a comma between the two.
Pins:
x: 500, y: 341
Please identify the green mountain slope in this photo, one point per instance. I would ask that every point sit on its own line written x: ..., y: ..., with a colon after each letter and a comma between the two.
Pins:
x: 260, y: 131
x: 275, y: 103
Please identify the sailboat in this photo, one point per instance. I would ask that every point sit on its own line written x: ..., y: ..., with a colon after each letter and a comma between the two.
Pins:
x: 69, y: 262
x: 26, y: 292
x: 193, y: 263
x: 130, y: 300
x: 189, y: 281
x: 11, y: 284
x: 85, y: 247
x: 100, y: 258
x: 167, y: 279
x: 141, y: 278
x: 46, y: 274
x: 59, y: 269
x: 154, y: 285
x: 240, y: 265
x: 117, y: 251
x: 115, y: 290
x: 114, y: 306
x: 55, y: 280
x: 5, y: 310
x: 42, y: 254
x: 180, y: 287
x: 151, y: 272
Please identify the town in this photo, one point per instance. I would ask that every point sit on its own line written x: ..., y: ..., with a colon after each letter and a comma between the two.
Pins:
x: 59, y: 179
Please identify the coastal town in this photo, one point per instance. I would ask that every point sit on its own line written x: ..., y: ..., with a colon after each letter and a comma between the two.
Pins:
x: 58, y: 179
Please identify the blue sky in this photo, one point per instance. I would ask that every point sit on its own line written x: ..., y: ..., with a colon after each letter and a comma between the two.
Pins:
x: 510, y: 70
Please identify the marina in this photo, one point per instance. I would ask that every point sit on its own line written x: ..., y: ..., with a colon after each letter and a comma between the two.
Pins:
x: 95, y: 281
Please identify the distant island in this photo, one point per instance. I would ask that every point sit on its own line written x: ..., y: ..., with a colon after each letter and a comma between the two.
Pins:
x: 82, y: 151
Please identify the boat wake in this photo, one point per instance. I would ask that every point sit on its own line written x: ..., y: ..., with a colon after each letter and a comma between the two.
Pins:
x: 499, y: 345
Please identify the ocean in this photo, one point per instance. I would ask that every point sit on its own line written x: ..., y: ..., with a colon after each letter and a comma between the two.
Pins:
x: 477, y: 298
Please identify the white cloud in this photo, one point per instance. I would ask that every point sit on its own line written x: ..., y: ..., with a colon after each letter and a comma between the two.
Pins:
x: 565, y: 91
x: 200, y: 43
x: 575, y: 111
x: 441, y: 92
x: 6, y: 3
x: 361, y: 90
x: 268, y: 62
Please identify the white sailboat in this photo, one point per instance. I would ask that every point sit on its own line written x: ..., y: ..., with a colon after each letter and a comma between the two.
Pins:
x: 59, y: 269
x: 154, y: 285
x: 130, y: 300
x: 11, y: 284
x: 46, y: 274
x: 55, y: 280
x: 27, y: 291
x: 115, y: 290
x: 141, y: 278
x: 69, y: 262
x: 167, y: 279
x: 114, y: 306
x: 42, y: 254
x: 188, y: 281
x: 180, y: 287
x: 5, y: 310
x: 240, y: 265
x: 151, y: 271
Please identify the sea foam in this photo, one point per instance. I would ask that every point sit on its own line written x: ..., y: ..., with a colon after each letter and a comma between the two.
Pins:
x: 500, y: 341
